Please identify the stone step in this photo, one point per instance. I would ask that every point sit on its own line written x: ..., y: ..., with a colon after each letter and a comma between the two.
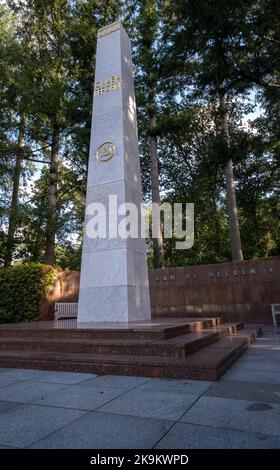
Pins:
x: 179, y: 346
x: 159, y: 331
x: 208, y: 363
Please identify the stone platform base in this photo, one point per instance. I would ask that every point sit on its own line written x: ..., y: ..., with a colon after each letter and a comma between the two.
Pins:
x: 192, y: 348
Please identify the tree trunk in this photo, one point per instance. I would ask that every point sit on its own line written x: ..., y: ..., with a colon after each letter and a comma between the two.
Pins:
x: 235, y: 240
x: 13, y: 217
x: 157, y: 242
x: 49, y: 257
x: 217, y: 228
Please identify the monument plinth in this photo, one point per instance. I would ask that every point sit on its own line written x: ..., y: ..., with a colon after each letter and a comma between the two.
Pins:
x: 114, y: 278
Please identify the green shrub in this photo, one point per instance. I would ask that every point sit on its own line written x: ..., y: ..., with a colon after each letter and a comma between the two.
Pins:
x: 5, y: 317
x: 21, y: 290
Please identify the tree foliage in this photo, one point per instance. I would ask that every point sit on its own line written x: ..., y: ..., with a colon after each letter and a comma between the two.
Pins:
x: 188, y: 55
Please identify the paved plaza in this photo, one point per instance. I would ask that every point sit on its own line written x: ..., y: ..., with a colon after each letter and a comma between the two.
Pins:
x: 47, y: 410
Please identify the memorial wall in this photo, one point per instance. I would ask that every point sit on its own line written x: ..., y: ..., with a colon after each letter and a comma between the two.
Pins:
x: 237, y: 291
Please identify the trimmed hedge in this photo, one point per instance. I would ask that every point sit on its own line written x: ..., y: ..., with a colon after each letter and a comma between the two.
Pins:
x: 21, y: 290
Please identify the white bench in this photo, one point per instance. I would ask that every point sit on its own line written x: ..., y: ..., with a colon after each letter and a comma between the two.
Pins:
x: 275, y: 310
x: 65, y: 310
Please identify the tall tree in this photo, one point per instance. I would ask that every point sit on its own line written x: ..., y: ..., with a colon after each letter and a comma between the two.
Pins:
x: 56, y: 30
x: 146, y: 33
x: 235, y: 240
x: 13, y: 216
x: 16, y: 96
x: 209, y: 34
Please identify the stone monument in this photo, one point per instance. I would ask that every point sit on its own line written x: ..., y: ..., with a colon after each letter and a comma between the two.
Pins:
x: 114, y: 277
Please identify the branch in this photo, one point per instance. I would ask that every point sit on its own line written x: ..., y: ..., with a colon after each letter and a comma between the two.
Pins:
x: 41, y: 149
x: 26, y: 158
x: 271, y: 39
x: 35, y: 160
x: 274, y: 85
x: 266, y: 84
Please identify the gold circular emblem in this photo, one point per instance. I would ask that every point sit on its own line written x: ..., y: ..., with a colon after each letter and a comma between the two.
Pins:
x: 105, y: 152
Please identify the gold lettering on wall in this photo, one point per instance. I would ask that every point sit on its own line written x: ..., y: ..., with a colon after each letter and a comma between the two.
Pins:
x: 108, y: 84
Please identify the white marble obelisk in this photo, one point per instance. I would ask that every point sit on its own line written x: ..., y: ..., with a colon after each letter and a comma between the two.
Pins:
x: 114, y: 278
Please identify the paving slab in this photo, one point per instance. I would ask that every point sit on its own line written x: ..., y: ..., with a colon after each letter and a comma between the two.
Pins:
x: 21, y: 374
x: 267, y: 340
x: 78, y: 397
x: 4, y: 405
x: 271, y: 366
x: 257, y: 392
x: 252, y: 376
x: 186, y: 387
x: 26, y: 391
x: 162, y: 405
x: 266, y: 350
x: 64, y: 377
x: 272, y: 350
x: 245, y: 440
x: 4, y: 381
x: 193, y: 436
x: 245, y: 415
x: 23, y: 425
x: 106, y: 431
x: 117, y: 382
x: 261, y: 354
x: 7, y: 447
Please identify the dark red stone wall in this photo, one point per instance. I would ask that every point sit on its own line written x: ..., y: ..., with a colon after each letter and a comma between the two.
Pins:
x: 237, y: 291
x: 64, y: 289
